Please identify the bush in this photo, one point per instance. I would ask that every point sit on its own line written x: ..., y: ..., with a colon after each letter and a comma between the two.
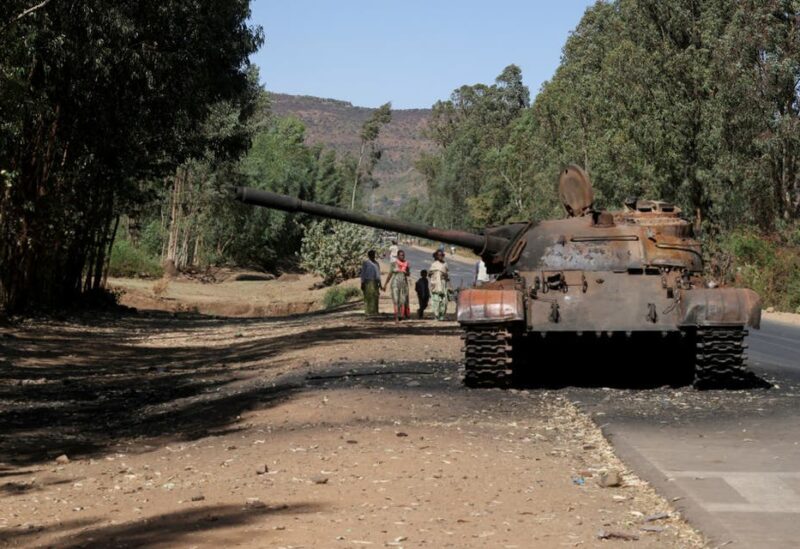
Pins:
x: 335, y: 250
x: 768, y: 265
x: 338, y: 296
x: 153, y: 237
x: 129, y: 261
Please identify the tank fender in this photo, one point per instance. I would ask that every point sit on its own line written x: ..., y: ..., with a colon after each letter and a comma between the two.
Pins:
x: 720, y: 306
x: 479, y: 305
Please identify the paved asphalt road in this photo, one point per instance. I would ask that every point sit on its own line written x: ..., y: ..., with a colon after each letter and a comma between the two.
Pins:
x: 729, y: 459
x: 732, y: 458
x: 461, y: 272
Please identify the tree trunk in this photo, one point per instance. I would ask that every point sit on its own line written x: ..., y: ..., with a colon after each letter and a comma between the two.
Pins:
x: 358, y: 173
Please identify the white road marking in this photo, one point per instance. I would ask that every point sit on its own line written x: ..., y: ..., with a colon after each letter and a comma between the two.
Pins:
x: 765, y: 492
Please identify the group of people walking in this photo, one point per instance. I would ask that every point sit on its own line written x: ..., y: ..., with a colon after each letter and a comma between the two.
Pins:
x: 431, y: 287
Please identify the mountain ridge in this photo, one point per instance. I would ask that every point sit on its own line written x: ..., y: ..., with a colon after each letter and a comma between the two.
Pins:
x: 336, y: 124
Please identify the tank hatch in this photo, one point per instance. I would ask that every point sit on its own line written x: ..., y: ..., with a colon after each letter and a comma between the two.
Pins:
x: 575, y: 191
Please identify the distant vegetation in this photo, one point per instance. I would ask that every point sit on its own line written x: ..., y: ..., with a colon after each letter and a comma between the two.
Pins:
x: 336, y: 125
x: 132, y: 261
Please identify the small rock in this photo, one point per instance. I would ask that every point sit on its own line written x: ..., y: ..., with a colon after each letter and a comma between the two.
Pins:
x: 254, y: 502
x: 262, y: 470
x: 231, y: 447
x: 352, y: 441
x: 652, y: 528
x: 413, y: 384
x: 770, y: 309
x: 589, y: 447
x: 198, y: 497
x: 319, y: 479
x: 62, y: 459
x: 401, y: 434
x: 657, y: 516
x: 609, y: 479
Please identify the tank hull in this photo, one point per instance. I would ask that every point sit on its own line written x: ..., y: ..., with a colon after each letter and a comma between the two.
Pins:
x: 512, y: 324
x: 604, y: 301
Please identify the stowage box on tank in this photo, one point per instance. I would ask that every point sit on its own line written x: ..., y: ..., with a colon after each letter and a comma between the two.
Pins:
x: 593, y: 274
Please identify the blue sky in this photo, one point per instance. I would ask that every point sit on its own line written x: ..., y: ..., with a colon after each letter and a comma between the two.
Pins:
x: 409, y: 52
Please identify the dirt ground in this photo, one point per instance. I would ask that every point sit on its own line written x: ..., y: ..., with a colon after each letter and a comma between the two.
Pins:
x: 784, y: 318
x: 232, y: 297
x: 314, y: 430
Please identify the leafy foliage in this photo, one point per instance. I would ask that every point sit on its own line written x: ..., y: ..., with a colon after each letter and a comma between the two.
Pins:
x: 768, y: 265
x: 128, y: 260
x: 335, y: 250
x: 339, y: 295
x: 95, y: 98
x: 694, y: 102
x: 370, y: 152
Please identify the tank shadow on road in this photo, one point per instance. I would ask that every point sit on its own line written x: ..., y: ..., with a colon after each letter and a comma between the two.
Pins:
x: 643, y: 362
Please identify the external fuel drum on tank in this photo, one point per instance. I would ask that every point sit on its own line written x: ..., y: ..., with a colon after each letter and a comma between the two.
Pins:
x: 593, y: 274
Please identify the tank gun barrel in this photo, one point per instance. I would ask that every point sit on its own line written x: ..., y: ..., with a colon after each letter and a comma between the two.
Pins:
x: 479, y: 243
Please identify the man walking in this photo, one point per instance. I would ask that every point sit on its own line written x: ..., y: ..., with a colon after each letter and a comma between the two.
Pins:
x: 423, y: 292
x: 371, y: 284
x: 438, y: 284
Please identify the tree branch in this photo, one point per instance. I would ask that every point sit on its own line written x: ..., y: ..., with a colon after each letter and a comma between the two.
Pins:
x: 28, y: 11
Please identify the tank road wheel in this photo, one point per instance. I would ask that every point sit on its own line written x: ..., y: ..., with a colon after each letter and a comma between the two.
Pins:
x: 488, y: 358
x: 719, y: 359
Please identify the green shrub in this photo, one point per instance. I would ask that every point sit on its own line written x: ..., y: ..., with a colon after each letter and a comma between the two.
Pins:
x: 335, y: 250
x: 338, y: 295
x: 768, y: 265
x: 130, y: 261
x: 153, y: 237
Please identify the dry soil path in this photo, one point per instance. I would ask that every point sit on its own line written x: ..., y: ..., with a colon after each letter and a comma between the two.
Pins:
x: 319, y: 430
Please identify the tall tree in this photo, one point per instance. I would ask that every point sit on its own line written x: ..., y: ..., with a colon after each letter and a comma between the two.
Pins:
x: 370, y: 153
x: 94, y: 97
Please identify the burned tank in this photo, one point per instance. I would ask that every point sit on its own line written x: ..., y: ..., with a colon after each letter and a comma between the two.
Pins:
x: 592, y: 276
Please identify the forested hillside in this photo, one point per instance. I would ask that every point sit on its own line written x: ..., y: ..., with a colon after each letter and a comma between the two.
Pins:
x: 694, y: 102
x: 336, y: 124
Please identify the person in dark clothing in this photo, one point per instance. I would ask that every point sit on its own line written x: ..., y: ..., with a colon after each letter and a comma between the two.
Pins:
x: 423, y: 292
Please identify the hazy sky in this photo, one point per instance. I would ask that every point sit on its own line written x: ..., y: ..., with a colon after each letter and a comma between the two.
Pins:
x: 409, y: 52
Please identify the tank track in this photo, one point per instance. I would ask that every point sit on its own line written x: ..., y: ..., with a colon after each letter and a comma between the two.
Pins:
x: 719, y: 359
x: 488, y: 356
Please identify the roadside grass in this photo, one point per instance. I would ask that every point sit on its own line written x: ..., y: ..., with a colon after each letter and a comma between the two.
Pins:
x: 340, y: 295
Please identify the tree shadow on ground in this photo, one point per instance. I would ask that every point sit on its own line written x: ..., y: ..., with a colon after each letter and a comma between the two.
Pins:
x: 164, y: 530
x: 82, y: 389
